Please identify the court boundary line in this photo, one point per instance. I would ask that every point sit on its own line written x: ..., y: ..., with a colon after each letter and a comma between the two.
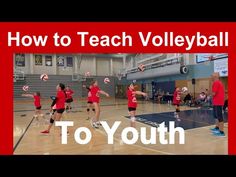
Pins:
x: 169, y: 153
x: 180, y: 118
x: 22, y: 136
x: 186, y: 130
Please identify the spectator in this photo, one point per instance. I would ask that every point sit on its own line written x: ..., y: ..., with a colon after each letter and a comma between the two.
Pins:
x: 218, y: 94
x: 188, y: 99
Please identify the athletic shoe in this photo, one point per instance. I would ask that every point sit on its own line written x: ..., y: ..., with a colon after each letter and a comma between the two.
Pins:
x: 98, y: 123
x: 214, y: 129
x: 95, y: 125
x: 219, y: 134
x: 45, y: 132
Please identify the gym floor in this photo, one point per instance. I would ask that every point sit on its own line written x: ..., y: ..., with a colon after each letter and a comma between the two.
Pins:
x: 195, y: 121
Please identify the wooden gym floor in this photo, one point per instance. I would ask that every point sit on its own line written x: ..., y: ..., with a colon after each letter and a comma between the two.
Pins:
x: 28, y: 140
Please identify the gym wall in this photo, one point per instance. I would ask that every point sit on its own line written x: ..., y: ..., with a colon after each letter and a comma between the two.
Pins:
x: 96, y: 66
x: 103, y: 67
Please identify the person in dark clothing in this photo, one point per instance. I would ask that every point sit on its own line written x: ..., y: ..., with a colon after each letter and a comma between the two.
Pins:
x: 188, y: 99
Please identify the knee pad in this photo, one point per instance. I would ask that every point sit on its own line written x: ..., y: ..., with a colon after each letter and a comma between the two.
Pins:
x: 51, y: 120
x: 93, y: 110
x: 88, y: 109
x: 132, y: 119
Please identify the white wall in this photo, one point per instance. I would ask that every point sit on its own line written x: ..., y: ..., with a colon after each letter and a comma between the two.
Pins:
x: 103, y: 66
x: 87, y: 65
x: 192, y: 59
x: 96, y: 66
x: 128, y: 63
x: 39, y: 69
x: 117, y: 64
x: 64, y: 71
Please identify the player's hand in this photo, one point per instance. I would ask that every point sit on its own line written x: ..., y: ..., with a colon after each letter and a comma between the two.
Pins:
x: 145, y: 94
x: 107, y: 95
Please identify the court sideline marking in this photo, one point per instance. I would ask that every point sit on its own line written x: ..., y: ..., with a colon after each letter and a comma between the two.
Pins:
x: 18, y: 142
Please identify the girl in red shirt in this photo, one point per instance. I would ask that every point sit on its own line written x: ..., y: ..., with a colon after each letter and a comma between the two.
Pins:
x: 132, y: 102
x: 59, y: 101
x: 69, y: 98
x: 176, y: 101
x: 95, y: 98
x: 37, y: 104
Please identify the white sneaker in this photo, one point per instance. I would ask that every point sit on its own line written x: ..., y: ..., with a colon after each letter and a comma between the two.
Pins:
x: 95, y: 125
x: 98, y: 123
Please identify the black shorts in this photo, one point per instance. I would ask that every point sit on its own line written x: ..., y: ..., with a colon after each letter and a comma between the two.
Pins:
x: 176, y: 105
x: 90, y: 102
x: 131, y: 109
x: 217, y: 112
x: 69, y: 100
x: 38, y: 108
x: 60, y: 111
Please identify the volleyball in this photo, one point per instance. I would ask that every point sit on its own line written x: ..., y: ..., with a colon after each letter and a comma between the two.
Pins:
x: 106, y: 80
x: 25, y: 88
x: 44, y: 77
x: 184, y: 89
x: 141, y: 67
x: 87, y: 74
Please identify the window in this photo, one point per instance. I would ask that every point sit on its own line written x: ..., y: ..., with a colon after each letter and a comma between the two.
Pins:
x: 69, y: 61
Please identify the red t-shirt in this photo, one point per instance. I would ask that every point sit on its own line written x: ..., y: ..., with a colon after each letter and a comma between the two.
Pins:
x: 176, y: 97
x: 132, y: 101
x: 37, y: 101
x: 69, y: 94
x: 95, y: 94
x: 218, y: 89
x: 61, y: 98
